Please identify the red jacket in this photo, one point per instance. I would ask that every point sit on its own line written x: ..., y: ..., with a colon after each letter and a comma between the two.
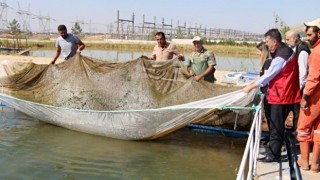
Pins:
x: 284, y: 88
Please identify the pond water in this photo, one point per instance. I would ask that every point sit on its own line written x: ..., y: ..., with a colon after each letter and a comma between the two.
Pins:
x: 30, y: 149
x: 228, y: 63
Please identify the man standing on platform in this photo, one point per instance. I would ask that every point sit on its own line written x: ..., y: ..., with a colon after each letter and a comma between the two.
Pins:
x: 283, y: 90
x: 302, y: 50
x: 308, y: 129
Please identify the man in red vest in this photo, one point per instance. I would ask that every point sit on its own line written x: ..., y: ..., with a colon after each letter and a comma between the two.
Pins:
x: 283, y: 90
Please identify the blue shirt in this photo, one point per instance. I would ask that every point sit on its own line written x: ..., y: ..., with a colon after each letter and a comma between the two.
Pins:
x: 275, y: 68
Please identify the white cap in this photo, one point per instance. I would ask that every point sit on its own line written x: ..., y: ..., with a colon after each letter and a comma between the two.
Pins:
x: 315, y: 22
x: 196, y: 38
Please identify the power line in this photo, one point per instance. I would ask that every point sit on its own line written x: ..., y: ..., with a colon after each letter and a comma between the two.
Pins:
x: 3, y: 15
x: 24, y: 17
x: 44, y: 22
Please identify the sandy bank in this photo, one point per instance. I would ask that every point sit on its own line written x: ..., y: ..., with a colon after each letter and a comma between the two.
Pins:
x: 37, y: 60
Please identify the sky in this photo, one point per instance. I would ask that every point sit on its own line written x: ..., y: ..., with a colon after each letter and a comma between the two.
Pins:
x: 97, y: 16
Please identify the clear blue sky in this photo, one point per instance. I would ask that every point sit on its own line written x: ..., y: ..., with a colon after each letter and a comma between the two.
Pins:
x: 255, y: 16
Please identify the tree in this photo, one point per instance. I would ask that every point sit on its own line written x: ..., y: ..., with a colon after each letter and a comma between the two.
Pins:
x: 14, y: 27
x: 76, y: 29
x: 179, y: 33
x: 152, y: 34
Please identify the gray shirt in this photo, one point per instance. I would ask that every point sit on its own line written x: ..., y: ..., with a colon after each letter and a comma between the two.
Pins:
x: 68, y: 46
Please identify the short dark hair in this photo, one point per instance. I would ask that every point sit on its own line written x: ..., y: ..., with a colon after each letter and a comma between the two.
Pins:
x: 160, y: 33
x: 315, y: 29
x: 62, y: 27
x: 274, y: 34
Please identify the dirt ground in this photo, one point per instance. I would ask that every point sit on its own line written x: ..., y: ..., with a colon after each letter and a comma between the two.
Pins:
x: 37, y: 60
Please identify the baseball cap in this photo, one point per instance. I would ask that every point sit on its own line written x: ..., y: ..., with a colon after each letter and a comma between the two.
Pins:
x: 315, y: 22
x: 196, y: 38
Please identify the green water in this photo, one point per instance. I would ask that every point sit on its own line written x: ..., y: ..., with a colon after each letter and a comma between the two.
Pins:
x: 227, y: 63
x: 34, y: 150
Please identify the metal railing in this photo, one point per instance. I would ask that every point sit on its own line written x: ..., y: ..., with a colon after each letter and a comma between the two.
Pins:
x: 252, y: 146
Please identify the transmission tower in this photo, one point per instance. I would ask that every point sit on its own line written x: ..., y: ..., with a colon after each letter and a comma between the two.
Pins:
x: 24, y: 17
x: 82, y: 24
x: 44, y: 22
x: 3, y: 15
x: 122, y: 21
x: 278, y: 21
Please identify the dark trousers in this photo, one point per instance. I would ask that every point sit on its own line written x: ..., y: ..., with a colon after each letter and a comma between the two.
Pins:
x: 267, y: 111
x: 279, y: 114
x: 296, y: 112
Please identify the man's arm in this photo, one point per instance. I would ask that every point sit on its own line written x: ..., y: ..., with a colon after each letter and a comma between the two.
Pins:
x: 303, y: 68
x: 313, y: 79
x: 191, y: 73
x: 180, y: 57
x: 177, y: 53
x: 58, y: 52
x: 152, y: 57
x: 81, y: 46
x: 207, y: 71
x: 250, y: 86
x: 275, y: 68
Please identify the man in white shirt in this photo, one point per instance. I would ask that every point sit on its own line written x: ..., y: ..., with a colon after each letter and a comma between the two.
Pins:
x: 67, y: 44
x: 302, y: 50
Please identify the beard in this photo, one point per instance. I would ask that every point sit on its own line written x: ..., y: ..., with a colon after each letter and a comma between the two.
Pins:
x: 313, y: 41
x: 65, y: 36
x: 291, y: 46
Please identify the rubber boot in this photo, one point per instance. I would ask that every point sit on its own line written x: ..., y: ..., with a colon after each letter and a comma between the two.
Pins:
x: 315, y: 157
x: 303, y: 162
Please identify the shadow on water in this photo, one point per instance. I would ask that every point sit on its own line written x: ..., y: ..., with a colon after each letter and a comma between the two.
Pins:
x: 30, y: 149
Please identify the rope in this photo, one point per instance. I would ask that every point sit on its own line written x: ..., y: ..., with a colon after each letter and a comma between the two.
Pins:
x: 253, y: 107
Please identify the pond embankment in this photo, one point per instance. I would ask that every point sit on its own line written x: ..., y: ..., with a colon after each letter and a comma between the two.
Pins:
x: 184, y: 45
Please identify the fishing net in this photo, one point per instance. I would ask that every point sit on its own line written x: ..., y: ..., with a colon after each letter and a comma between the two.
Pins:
x: 138, y: 99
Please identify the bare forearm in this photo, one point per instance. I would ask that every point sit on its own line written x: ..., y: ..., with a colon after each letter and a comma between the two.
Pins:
x: 152, y: 57
x: 56, y: 56
x: 250, y: 86
x: 207, y: 71
x: 81, y: 47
